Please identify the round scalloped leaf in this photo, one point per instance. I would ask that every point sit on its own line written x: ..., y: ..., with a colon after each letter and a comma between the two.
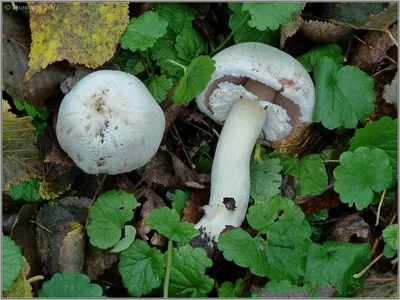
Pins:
x: 12, y: 262
x: 342, y: 96
x: 70, y: 285
x: 108, y: 216
x: 360, y: 174
x: 390, y: 236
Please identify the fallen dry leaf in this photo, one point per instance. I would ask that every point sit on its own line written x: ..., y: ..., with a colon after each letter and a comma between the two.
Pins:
x: 324, y: 32
x: 351, y: 228
x: 187, y: 176
x: 193, y: 212
x: 390, y: 93
x: 288, y: 30
x: 327, y: 199
x: 160, y: 171
x: 97, y: 261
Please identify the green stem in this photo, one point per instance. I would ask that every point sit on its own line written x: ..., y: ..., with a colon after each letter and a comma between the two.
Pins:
x: 230, y: 35
x: 145, y: 60
x: 176, y: 64
x: 36, y: 278
x: 168, y: 271
x: 330, y: 161
x: 257, y: 152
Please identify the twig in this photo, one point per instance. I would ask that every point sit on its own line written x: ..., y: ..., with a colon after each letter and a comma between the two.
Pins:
x: 35, y: 278
x: 41, y: 226
x: 358, y: 275
x: 199, y: 128
x: 376, y: 243
x: 183, y: 147
x: 391, y: 37
x: 378, y: 213
x: 389, y: 279
x: 372, y: 48
x: 348, y: 50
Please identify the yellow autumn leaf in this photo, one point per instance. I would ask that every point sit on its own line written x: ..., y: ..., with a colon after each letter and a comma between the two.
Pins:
x: 20, y: 156
x: 82, y: 33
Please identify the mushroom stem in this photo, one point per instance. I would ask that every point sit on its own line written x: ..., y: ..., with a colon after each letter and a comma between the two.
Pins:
x: 230, y: 176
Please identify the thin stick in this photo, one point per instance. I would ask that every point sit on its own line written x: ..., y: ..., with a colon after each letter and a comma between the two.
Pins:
x: 36, y: 278
x: 41, y: 226
x: 376, y: 243
x: 378, y: 213
x: 390, y: 279
x: 391, y: 37
x: 183, y: 147
x: 358, y: 275
x: 199, y: 128
x: 372, y: 48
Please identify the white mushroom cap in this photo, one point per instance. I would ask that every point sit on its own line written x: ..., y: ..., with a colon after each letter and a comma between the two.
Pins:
x: 295, y: 93
x: 110, y: 123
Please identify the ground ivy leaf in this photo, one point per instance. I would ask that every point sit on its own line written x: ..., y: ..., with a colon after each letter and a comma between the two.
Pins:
x: 333, y: 51
x: 195, y: 80
x: 108, y: 216
x: 246, y: 252
x: 379, y: 134
x: 270, y: 15
x: 309, y: 171
x: 70, y: 285
x: 142, y: 268
x: 228, y: 290
x: 26, y: 190
x: 159, y: 87
x: 129, y: 62
x: 178, y: 15
x: 189, y: 44
x: 265, y: 178
x: 388, y: 251
x: 187, y: 272
x: 124, y: 243
x: 360, y: 173
x: 20, y: 156
x: 282, y: 221
x: 179, y: 200
x: 167, y: 222
x: 164, y: 45
x: 343, y: 96
x: 390, y: 236
x: 336, y: 263
x: 12, y: 262
x: 143, y: 32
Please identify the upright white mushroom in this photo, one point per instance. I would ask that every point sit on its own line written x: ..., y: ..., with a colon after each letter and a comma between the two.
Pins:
x: 110, y: 123
x: 258, y: 92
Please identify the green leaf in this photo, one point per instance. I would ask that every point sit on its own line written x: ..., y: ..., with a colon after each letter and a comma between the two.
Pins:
x: 270, y: 15
x: 381, y: 134
x: 189, y: 44
x: 177, y: 15
x: 142, y: 268
x: 164, y: 46
x: 195, y: 80
x: 390, y: 236
x: 143, y: 32
x: 26, y: 190
x: 343, y: 96
x: 360, y: 173
x: 333, y: 51
x: 309, y: 171
x: 388, y: 251
x: 108, y: 216
x: 30, y: 109
x: 129, y: 62
x: 12, y: 262
x: 245, y: 251
x: 19, y: 104
x: 228, y: 290
x: 159, y: 87
x: 282, y: 221
x: 70, y: 285
x: 124, y: 243
x: 238, y: 22
x: 179, y: 200
x: 265, y: 178
x: 336, y: 263
x: 187, y: 273
x: 167, y: 222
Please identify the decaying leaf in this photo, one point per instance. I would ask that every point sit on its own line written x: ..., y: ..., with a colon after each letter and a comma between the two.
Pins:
x: 379, y: 289
x: 55, y: 221
x: 372, y: 54
x: 187, y: 176
x: 16, y: 43
x: 21, y: 288
x: 20, y: 156
x: 351, y: 228
x: 58, y: 173
x: 327, y: 199
x: 288, y: 30
x: 324, y: 32
x: 390, y: 91
x: 193, y: 212
x: 71, y: 248
x: 97, y: 261
x: 82, y: 33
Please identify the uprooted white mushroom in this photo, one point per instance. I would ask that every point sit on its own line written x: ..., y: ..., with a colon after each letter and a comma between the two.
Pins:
x: 258, y: 92
x: 110, y: 123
